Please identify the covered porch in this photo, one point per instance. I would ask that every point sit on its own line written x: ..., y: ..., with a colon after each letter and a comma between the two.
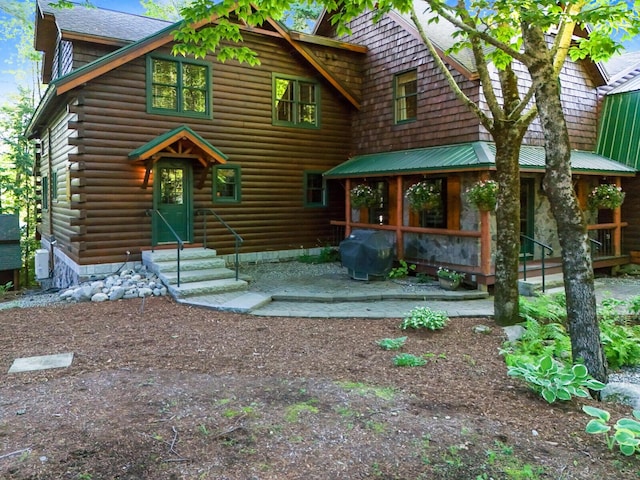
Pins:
x: 455, y: 234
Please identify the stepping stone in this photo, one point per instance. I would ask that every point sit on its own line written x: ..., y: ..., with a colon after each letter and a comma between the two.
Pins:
x: 28, y: 364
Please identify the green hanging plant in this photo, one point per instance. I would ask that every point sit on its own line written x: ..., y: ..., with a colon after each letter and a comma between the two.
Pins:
x: 484, y: 195
x: 607, y: 195
x: 423, y: 196
x: 363, y: 195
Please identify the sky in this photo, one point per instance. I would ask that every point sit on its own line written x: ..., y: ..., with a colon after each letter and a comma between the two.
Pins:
x: 8, y: 53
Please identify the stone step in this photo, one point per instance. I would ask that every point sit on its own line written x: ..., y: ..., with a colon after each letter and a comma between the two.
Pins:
x: 169, y: 254
x: 240, y: 303
x: 188, y: 276
x: 207, y: 287
x: 188, y: 265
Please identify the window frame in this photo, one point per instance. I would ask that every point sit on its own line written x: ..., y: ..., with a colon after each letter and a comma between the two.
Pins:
x: 323, y: 189
x: 397, y: 98
x: 237, y: 198
x: 179, y: 87
x: 296, y: 101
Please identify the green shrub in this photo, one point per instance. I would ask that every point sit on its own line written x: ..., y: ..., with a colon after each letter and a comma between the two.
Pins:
x: 554, y: 380
x: 424, y: 317
x: 392, y: 343
x: 326, y: 255
x: 401, y: 271
x: 627, y: 430
x: 408, y: 360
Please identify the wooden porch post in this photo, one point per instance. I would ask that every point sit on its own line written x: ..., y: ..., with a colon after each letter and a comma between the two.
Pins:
x: 617, y: 230
x: 347, y: 206
x: 485, y: 242
x: 399, y: 218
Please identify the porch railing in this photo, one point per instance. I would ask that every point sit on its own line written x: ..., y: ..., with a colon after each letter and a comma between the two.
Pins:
x: 180, y: 244
x: 545, y: 249
x: 238, y: 241
x: 603, y: 238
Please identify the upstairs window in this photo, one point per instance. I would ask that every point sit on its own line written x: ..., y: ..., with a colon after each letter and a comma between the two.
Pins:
x: 314, y: 189
x: 406, y: 96
x: 226, y: 184
x: 295, y: 101
x: 178, y: 87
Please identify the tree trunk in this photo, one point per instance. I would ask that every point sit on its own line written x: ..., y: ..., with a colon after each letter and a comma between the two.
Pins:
x: 507, y: 259
x: 572, y: 229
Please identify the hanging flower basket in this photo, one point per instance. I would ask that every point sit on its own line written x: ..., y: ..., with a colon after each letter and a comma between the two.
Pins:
x: 423, y: 196
x: 607, y: 195
x: 364, y: 196
x: 484, y: 195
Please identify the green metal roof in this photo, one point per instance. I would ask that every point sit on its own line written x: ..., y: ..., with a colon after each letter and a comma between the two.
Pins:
x: 465, y: 156
x: 619, y: 135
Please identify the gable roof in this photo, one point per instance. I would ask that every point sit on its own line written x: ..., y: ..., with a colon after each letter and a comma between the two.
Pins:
x: 466, y: 157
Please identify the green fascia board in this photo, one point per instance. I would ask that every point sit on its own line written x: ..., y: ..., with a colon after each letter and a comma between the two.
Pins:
x: 140, y: 151
x: 466, y: 156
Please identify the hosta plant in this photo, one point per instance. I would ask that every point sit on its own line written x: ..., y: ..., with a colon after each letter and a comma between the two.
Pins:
x: 554, y: 380
x: 392, y: 343
x: 408, y: 360
x: 424, y: 317
x: 627, y: 430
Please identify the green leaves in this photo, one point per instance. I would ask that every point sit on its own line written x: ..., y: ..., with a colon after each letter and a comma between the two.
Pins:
x: 424, y: 317
x: 627, y: 430
x: 392, y: 343
x: 554, y: 380
x: 408, y: 360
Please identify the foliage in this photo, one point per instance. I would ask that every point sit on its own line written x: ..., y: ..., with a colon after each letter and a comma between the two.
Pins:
x: 621, y: 343
x: 326, y: 255
x: 554, y: 380
x: 408, y: 360
x: 363, y: 195
x: 450, y: 274
x: 5, y: 288
x: 392, y: 343
x: 401, y: 271
x: 423, y: 196
x: 484, y: 194
x: 606, y: 195
x: 627, y: 430
x: 424, y: 317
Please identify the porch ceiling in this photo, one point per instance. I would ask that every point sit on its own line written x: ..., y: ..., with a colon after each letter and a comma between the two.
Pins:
x: 466, y: 156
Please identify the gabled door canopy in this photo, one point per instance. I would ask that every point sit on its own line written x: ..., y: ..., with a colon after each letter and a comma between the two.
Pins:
x: 181, y: 142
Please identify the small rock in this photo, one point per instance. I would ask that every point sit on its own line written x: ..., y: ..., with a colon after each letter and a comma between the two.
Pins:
x: 99, y: 297
x: 482, y: 329
x: 145, y: 292
x: 116, y: 293
x: 514, y: 332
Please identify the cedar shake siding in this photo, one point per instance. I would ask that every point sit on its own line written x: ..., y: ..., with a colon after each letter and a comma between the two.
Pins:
x: 442, y: 119
x: 112, y: 120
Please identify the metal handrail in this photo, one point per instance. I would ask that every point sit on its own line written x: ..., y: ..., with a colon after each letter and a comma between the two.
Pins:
x: 597, y: 243
x: 238, y: 239
x: 524, y: 261
x: 180, y: 246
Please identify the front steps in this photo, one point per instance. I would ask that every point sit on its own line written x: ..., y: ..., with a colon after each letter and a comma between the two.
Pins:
x: 202, y: 272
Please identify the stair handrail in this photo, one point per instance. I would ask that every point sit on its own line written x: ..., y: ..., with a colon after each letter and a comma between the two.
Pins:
x: 597, y: 243
x: 238, y: 240
x: 180, y: 244
x: 545, y: 247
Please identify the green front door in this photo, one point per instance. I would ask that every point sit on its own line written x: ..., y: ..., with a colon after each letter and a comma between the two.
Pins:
x: 173, y: 198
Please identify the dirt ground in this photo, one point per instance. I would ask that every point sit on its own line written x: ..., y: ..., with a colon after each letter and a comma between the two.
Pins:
x: 162, y: 391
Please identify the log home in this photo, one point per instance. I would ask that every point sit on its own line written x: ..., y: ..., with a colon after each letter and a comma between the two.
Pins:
x: 140, y: 148
x: 411, y: 128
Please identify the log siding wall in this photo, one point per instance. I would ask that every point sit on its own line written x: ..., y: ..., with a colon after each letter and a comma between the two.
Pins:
x: 112, y: 121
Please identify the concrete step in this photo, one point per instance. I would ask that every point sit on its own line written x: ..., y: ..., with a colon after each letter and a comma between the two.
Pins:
x: 169, y: 254
x: 552, y: 283
x: 240, y: 303
x: 187, y: 265
x: 189, y: 276
x: 207, y: 287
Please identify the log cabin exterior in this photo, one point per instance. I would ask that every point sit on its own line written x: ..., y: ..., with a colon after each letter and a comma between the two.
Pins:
x: 106, y: 140
x: 126, y: 130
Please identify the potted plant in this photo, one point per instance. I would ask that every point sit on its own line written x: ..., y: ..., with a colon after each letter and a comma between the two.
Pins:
x: 423, y: 196
x: 449, y: 279
x: 484, y: 195
x: 363, y: 195
x: 607, y: 195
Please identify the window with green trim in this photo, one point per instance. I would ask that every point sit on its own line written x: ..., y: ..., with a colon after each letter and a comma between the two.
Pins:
x: 54, y: 185
x: 178, y: 87
x: 405, y: 86
x: 436, y: 217
x: 226, y: 184
x: 295, y: 101
x: 45, y: 192
x: 314, y: 189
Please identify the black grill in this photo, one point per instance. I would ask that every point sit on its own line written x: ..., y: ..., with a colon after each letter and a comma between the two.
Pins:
x: 367, y: 253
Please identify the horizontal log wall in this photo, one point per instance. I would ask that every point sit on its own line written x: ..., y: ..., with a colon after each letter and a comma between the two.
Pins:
x: 112, y: 121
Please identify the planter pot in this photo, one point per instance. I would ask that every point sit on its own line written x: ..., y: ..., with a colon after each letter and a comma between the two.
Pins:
x: 448, y: 283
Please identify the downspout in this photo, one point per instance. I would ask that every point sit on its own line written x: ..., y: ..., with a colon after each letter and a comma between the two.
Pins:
x: 52, y: 237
